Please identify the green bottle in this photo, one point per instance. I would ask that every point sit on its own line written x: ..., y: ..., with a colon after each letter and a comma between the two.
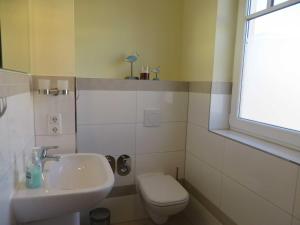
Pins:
x: 34, y: 176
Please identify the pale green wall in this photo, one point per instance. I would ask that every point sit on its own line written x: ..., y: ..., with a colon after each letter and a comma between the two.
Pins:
x: 107, y: 30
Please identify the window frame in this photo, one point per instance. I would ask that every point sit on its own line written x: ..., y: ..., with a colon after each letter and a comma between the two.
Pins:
x: 282, y: 136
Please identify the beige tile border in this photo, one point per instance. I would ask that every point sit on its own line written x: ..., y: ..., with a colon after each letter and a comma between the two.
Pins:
x: 130, y: 85
x: 105, y: 84
x: 53, y: 81
x: 212, y: 208
x: 208, y: 87
x: 152, y: 85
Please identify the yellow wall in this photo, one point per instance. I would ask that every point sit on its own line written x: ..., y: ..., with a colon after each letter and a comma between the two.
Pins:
x: 14, y: 34
x: 107, y: 30
x: 199, y: 23
x: 52, y: 37
x: 225, y: 40
x: 192, y: 40
x: 208, y: 39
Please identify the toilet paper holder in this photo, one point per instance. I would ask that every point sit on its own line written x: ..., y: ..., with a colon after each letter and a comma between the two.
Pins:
x: 124, y: 165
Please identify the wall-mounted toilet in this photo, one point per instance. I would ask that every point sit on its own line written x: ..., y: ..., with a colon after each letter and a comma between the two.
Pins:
x: 162, y: 196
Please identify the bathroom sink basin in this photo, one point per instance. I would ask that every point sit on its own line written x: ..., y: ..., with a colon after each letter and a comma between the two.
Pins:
x: 75, y: 182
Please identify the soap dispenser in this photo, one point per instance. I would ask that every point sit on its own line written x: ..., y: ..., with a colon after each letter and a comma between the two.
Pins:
x: 34, y: 176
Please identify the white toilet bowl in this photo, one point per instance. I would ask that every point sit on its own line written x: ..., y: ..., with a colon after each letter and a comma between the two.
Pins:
x: 162, y: 196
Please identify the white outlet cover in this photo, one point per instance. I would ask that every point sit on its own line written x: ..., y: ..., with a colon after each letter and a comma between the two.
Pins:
x: 55, y: 124
x: 152, y: 117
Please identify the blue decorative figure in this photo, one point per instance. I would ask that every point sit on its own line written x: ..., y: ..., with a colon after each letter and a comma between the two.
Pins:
x: 132, y: 59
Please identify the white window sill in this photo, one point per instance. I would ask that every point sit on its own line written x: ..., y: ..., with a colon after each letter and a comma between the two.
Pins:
x: 261, y: 145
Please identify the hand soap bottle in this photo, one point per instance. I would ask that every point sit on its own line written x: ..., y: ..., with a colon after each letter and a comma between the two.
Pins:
x: 34, y: 170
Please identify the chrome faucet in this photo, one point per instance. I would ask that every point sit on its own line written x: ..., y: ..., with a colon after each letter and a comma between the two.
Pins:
x: 44, y: 156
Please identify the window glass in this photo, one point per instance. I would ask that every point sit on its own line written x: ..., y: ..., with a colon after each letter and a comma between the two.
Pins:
x: 271, y: 74
x: 257, y: 5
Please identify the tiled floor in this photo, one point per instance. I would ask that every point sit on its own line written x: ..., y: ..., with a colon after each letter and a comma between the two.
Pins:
x: 179, y: 219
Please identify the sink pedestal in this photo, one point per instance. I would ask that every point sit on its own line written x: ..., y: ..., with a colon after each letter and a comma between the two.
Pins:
x: 70, y: 219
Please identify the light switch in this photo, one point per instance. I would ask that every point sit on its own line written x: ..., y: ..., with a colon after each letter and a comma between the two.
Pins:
x: 152, y: 117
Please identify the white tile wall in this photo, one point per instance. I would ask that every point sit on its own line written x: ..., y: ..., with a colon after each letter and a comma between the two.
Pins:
x: 219, y: 111
x: 16, y: 138
x: 256, y: 188
x: 65, y: 105
x: 66, y: 143
x: 161, y: 162
x: 167, y: 137
x: 247, y: 208
x: 268, y: 176
x: 45, y: 105
x: 172, y: 104
x: 198, y: 111
x: 106, y: 107
x: 205, y: 145
x: 108, y: 139
x: 111, y: 123
x: 203, y: 177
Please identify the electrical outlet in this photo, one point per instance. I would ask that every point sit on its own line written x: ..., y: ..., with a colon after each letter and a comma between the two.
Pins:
x: 54, y: 119
x: 54, y: 124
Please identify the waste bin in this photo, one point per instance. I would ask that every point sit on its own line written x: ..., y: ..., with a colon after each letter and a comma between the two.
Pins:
x: 100, y: 216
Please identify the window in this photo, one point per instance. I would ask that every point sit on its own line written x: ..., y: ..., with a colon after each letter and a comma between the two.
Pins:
x: 266, y: 96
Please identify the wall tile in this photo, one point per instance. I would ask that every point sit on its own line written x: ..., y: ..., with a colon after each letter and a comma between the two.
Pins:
x: 173, y: 105
x: 7, y: 188
x: 20, y: 130
x: 247, y: 208
x: 161, y: 162
x: 111, y: 139
x: 16, y: 137
x: 5, y: 155
x: 66, y: 143
x: 103, y: 107
x: 206, y: 179
x: 207, y: 146
x: 45, y: 105
x: 268, y: 176
x: 198, y: 112
x: 167, y: 137
x: 219, y: 111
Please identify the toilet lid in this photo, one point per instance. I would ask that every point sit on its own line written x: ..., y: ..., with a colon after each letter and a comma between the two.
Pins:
x: 162, y: 190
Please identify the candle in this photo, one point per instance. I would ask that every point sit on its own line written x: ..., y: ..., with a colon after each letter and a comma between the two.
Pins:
x: 62, y: 84
x: 44, y: 84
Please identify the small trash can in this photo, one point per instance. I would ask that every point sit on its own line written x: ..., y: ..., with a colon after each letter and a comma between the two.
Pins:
x: 100, y: 216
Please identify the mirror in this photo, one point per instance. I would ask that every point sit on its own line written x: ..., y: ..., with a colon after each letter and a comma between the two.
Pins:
x: 14, y: 35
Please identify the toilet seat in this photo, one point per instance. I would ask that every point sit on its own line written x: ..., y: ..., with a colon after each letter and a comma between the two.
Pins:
x: 162, y: 190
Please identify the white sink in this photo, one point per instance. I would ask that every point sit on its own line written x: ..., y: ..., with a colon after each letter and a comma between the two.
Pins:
x: 76, y: 182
